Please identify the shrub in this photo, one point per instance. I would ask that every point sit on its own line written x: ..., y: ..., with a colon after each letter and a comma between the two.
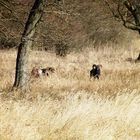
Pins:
x: 61, y: 49
x: 6, y: 43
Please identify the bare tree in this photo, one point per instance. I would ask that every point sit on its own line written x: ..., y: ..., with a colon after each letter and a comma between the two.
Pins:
x: 21, y: 76
x: 134, y: 10
x: 127, y: 11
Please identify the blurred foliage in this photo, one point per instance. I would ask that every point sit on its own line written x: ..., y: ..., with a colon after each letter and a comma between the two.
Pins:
x: 77, y: 23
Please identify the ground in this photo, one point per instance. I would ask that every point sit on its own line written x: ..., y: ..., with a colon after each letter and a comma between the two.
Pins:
x: 68, y: 105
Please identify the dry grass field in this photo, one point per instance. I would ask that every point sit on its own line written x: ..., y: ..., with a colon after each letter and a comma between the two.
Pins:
x: 68, y: 105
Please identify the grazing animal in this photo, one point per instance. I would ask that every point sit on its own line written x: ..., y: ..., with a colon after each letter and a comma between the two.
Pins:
x: 37, y: 72
x: 95, y: 72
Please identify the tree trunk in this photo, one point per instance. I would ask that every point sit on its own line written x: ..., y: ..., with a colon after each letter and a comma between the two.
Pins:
x: 21, y: 76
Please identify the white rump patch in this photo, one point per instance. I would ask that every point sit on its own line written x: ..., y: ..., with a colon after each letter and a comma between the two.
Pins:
x: 40, y: 72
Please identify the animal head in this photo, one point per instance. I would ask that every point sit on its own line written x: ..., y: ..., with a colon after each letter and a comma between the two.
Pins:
x: 94, y: 66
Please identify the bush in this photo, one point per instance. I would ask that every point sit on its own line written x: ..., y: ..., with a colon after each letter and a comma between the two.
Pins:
x: 61, y: 49
x: 6, y: 43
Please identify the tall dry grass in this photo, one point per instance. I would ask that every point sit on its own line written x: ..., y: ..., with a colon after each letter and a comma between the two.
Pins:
x: 69, y: 106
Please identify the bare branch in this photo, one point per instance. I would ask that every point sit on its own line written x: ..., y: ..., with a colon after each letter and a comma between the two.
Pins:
x: 15, y: 18
x: 5, y: 5
x: 111, y: 10
x: 130, y: 7
x: 126, y: 23
x: 123, y: 16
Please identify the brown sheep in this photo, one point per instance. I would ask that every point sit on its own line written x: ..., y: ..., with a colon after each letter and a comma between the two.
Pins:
x: 37, y: 72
